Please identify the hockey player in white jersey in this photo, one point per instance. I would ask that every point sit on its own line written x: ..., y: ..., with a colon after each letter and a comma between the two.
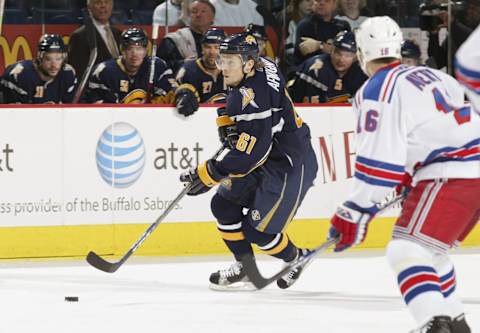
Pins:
x: 467, y: 67
x: 413, y: 121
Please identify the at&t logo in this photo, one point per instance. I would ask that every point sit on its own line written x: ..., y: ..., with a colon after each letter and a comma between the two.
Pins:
x: 120, y: 155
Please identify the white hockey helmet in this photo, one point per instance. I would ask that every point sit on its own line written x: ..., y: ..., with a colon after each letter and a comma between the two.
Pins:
x: 378, y: 37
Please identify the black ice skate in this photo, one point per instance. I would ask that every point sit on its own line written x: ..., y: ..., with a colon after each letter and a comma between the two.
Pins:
x: 459, y: 325
x: 439, y: 324
x: 291, y: 277
x: 231, y: 279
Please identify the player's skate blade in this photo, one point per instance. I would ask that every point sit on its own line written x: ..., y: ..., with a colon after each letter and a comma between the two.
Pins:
x: 236, y: 286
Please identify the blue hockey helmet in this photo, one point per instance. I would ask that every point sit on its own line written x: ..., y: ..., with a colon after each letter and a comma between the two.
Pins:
x: 51, y: 43
x: 410, y: 49
x: 257, y: 31
x: 345, y: 40
x: 213, y: 36
x: 133, y: 36
x: 243, y: 44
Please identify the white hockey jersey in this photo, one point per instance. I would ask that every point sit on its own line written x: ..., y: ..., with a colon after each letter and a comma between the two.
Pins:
x: 467, y: 67
x: 411, y: 120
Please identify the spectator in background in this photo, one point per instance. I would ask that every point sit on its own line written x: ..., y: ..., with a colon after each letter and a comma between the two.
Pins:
x: 174, y: 11
x: 411, y: 53
x: 185, y: 43
x: 200, y: 80
x: 299, y: 9
x: 329, y: 78
x: 107, y: 37
x: 353, y: 11
x: 236, y: 13
x: 126, y: 80
x: 316, y: 32
x: 464, y: 21
x: 47, y: 79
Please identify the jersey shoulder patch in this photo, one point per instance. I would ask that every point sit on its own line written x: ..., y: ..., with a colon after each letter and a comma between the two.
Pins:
x: 100, y: 67
x: 248, y: 97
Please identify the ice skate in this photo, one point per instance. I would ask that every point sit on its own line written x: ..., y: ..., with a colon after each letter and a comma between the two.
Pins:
x: 291, y: 277
x: 459, y: 325
x: 231, y: 279
x: 439, y: 324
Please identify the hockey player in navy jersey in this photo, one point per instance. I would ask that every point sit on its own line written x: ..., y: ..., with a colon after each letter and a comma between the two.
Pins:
x: 200, y: 81
x: 411, y: 53
x: 269, y: 168
x: 413, y: 121
x: 46, y: 79
x: 126, y: 80
x: 329, y: 78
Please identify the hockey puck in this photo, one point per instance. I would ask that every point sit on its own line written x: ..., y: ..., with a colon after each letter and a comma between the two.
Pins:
x: 71, y: 298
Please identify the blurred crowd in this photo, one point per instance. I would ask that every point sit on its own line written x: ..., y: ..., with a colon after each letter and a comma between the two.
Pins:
x: 311, y: 40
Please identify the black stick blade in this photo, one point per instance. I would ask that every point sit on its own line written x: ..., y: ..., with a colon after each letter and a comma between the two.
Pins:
x: 99, y: 263
x: 251, y: 269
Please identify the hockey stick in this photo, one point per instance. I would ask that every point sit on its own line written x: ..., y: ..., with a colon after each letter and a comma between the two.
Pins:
x: 251, y: 269
x: 152, y: 62
x: 92, y: 44
x: 110, y: 267
x: 2, y: 12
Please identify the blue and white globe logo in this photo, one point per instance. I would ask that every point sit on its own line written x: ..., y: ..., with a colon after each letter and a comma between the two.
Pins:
x: 120, y: 155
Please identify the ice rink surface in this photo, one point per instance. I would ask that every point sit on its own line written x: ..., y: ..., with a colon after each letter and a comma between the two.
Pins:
x: 349, y: 294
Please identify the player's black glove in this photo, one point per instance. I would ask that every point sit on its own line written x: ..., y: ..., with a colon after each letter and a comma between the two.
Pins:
x: 202, y: 178
x: 186, y: 101
x: 227, y: 129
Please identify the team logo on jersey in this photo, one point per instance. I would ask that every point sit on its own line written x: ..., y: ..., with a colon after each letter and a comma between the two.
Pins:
x: 227, y: 184
x: 248, y: 97
x: 120, y: 155
x: 136, y: 96
x: 16, y: 71
x: 256, y: 215
x: 249, y: 39
x: 180, y: 74
x: 316, y: 66
x: 99, y: 69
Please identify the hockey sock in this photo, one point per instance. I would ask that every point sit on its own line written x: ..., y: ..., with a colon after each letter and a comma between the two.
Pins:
x: 417, y: 279
x: 229, y: 223
x: 276, y: 245
x: 448, y: 284
x: 234, y: 238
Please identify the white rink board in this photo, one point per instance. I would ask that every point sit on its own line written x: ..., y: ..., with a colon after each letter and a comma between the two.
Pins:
x: 49, y: 173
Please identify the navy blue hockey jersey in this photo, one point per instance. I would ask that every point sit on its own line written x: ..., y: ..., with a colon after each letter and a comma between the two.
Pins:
x: 210, y: 88
x: 317, y: 81
x: 21, y: 83
x: 268, y: 126
x: 110, y: 83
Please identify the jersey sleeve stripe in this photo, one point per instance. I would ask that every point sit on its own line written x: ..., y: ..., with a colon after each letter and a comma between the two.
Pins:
x: 469, y: 83
x: 466, y: 72
x: 380, y: 164
x: 375, y: 181
x: 378, y: 173
x: 466, y: 153
x: 255, y: 116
